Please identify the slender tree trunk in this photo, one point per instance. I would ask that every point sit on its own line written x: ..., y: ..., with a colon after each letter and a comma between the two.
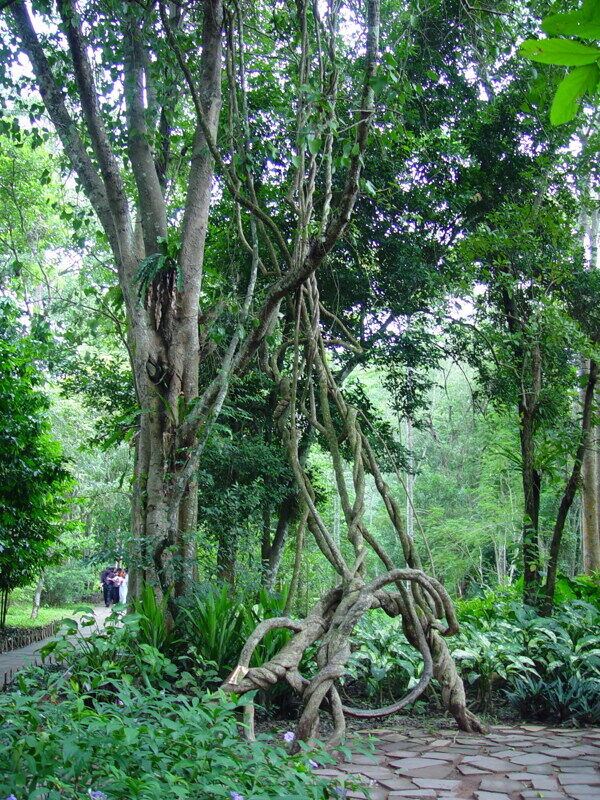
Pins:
x: 4, y: 593
x: 570, y: 489
x: 590, y: 528
x: 589, y: 505
x: 37, y: 597
x: 531, y: 493
x: 272, y: 552
x: 410, y: 479
x: 300, y: 530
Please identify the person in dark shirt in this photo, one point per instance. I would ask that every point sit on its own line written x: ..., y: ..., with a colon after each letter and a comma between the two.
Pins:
x: 107, y: 584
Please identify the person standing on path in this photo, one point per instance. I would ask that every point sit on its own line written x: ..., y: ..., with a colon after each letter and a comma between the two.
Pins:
x: 107, y: 584
x: 123, y: 587
x: 117, y: 580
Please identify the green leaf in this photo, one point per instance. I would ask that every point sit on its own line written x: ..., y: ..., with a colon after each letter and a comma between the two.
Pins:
x: 562, y: 52
x: 369, y: 188
x: 590, y: 10
x: 314, y: 144
x: 69, y: 623
x: 579, y: 81
x: 572, y: 24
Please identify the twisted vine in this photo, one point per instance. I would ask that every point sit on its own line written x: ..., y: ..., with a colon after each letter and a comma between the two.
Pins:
x: 309, y: 395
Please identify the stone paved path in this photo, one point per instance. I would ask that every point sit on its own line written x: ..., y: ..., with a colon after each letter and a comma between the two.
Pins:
x: 525, y: 762
x: 15, y: 660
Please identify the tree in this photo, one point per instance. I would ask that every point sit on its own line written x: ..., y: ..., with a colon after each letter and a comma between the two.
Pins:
x: 33, y: 479
x: 528, y: 264
x: 137, y: 164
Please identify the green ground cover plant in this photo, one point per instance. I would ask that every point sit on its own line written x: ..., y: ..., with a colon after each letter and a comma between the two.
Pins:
x: 140, y: 743
x: 546, y: 667
x: 119, y: 724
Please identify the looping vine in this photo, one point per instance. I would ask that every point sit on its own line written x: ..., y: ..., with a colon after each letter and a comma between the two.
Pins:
x: 310, y: 395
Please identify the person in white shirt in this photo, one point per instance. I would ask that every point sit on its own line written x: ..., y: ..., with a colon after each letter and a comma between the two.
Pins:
x: 123, y: 586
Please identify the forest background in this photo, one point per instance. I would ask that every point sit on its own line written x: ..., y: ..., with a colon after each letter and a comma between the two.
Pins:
x: 453, y: 234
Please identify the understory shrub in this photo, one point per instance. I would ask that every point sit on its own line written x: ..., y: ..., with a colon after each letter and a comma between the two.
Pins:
x: 116, y: 654
x: 113, y: 722
x: 216, y: 625
x: 504, y: 649
x: 62, y: 742
x: 68, y: 583
x: 213, y: 629
x: 519, y: 652
x: 567, y: 699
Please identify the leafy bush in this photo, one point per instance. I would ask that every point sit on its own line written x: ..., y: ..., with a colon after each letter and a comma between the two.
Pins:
x: 500, y: 602
x: 583, y: 587
x: 114, y: 723
x: 212, y: 632
x: 111, y: 656
x: 502, y: 645
x: 62, y: 742
x: 213, y: 628
x: 68, y: 583
x: 266, y: 606
x: 216, y: 626
x: 152, y: 625
x: 514, y: 647
x: 563, y: 645
x: 565, y: 698
x: 488, y: 652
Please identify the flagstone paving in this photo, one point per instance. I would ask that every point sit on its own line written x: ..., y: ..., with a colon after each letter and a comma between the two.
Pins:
x: 522, y: 762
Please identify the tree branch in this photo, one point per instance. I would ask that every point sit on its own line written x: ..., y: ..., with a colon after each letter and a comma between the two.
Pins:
x: 64, y: 124
x: 109, y: 168
x: 152, y: 208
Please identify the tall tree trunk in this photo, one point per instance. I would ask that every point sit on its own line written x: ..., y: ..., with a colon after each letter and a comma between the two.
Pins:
x: 159, y: 255
x: 410, y: 479
x: 163, y: 311
x: 531, y: 492
x: 295, y: 580
x: 37, y: 597
x: 590, y: 527
x: 570, y: 489
x: 272, y: 550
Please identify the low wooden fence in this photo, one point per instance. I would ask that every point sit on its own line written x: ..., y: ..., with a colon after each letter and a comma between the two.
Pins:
x: 7, y: 680
x: 25, y: 637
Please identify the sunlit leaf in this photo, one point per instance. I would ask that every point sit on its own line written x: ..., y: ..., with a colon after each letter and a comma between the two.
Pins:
x: 578, y: 82
x: 562, y: 52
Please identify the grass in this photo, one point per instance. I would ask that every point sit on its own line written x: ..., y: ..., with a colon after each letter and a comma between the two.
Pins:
x: 20, y: 616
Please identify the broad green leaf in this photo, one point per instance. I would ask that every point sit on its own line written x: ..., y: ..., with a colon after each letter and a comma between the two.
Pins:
x: 69, y: 623
x: 572, y: 24
x: 314, y: 145
x: 577, y: 83
x: 590, y: 10
x: 562, y: 52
